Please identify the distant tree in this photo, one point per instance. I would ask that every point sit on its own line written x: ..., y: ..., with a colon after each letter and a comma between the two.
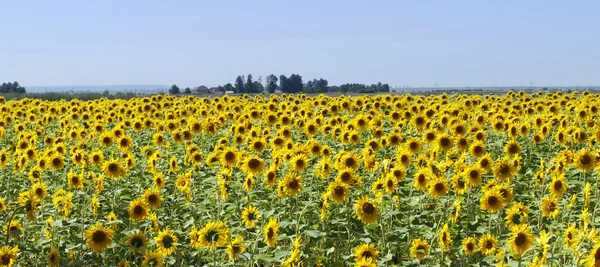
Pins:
x: 106, y: 93
x: 187, y: 91
x: 271, y: 83
x: 229, y: 87
x: 283, y: 83
x: 258, y: 87
x: 239, y: 85
x: 174, y: 90
x: 12, y: 88
x: 320, y: 85
x: 385, y: 88
x: 250, y: 88
x: 293, y: 84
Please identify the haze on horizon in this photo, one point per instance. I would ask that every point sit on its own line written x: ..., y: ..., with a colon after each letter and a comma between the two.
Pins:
x: 402, y: 43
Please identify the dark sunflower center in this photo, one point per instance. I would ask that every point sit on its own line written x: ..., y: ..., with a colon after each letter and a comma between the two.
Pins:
x: 106, y: 140
x: 445, y: 141
x: 293, y: 184
x: 212, y: 236
x: 413, y: 146
x: 229, y: 156
x: 270, y: 233
x: 138, y: 210
x: 513, y: 149
x: 504, y: 169
x: 253, y: 164
x: 300, y: 163
x: 251, y: 216
x: 585, y: 160
x: 516, y: 219
x: 271, y: 176
x: 5, y: 259
x: 99, y: 237
x: 152, y: 198
x: 368, y: 208
x: 477, y: 149
x: 167, y: 241
x: 474, y: 174
x: 421, y: 178
x: 470, y: 246
x: 124, y: 142
x: 439, y: 187
x: 557, y: 185
x: 350, y: 162
x: 56, y: 162
x: 492, y: 201
x: 520, y: 239
x: 258, y: 145
x: 367, y: 254
x: 113, y: 167
x: 75, y: 180
x: 39, y: 191
x: 137, y: 242
x: 338, y: 191
x: 430, y: 136
x: 489, y: 244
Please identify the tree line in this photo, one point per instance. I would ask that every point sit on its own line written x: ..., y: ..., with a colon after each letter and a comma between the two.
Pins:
x: 292, y: 84
x: 14, y: 88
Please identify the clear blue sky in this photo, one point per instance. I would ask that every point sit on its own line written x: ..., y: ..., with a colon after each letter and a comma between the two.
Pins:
x: 190, y: 43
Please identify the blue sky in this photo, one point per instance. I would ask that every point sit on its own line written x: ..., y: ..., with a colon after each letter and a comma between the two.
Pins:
x: 403, y: 43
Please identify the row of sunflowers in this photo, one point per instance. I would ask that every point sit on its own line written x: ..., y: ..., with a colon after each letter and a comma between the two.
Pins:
x: 296, y: 180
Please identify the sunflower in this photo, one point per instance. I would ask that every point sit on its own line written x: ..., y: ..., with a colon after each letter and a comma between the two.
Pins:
x: 348, y: 160
x: 517, y: 214
x: 39, y: 189
x: 469, y: 246
x: 444, y: 142
x: 250, y: 216
x: 8, y: 256
x: 365, y: 251
x: 53, y: 258
x: 271, y: 232
x: 57, y: 161
x: 257, y: 145
x: 419, y: 248
x: 75, y: 180
x: 2, y: 205
x: 438, y: 187
x: 138, y: 209
x: 113, y: 168
x: 153, y: 259
x: 584, y: 160
x: 158, y: 180
x: 30, y: 202
x: 253, y: 165
x: 421, y: 179
x: 105, y: 139
x: 292, y: 184
x: 14, y: 228
x: 571, y: 236
x: 345, y: 176
x: 235, y: 248
x: 594, y: 258
x: 366, y: 210
x: 152, y: 197
x: 299, y: 162
x: 488, y: 244
x: 444, y: 238
x: 98, y: 238
x: 491, y: 200
x: 485, y: 162
x: 97, y: 157
x: 414, y: 145
x: 558, y: 186
x: 520, y: 239
x: 512, y: 148
x: 229, y: 157
x: 214, y: 235
x: 550, y: 207
x: 166, y: 241
x: 504, y: 169
x: 137, y: 242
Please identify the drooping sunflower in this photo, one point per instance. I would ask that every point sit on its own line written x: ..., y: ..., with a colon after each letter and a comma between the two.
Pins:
x: 469, y: 246
x: 137, y: 242
x: 488, y: 244
x: 166, y: 241
x: 138, y: 209
x: 520, y: 239
x: 214, y: 235
x: 491, y: 200
x: 419, y: 249
x: 366, y: 210
x: 98, y: 238
x: 571, y: 237
x: 152, y: 197
x: 250, y: 216
x: 517, y: 214
x: 444, y: 238
x: 550, y: 207
x: 271, y: 232
x: 235, y: 248
x: 365, y: 251
x: 14, y: 228
x: 113, y: 168
x: 53, y: 258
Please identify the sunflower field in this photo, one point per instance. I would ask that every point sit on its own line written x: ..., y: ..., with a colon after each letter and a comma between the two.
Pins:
x: 297, y: 180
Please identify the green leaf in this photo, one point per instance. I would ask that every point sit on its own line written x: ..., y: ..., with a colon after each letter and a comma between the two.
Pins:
x: 314, y: 233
